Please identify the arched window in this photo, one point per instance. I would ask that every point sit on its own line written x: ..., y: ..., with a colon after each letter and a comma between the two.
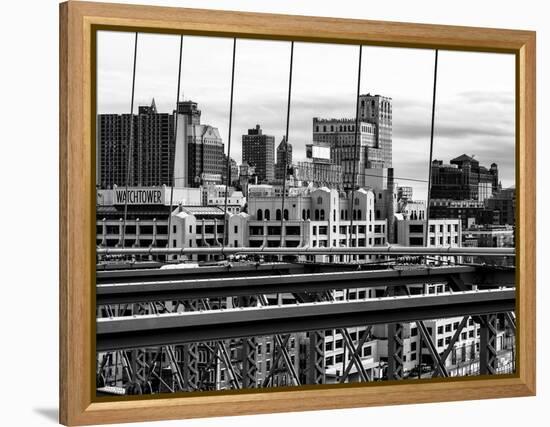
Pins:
x: 370, y: 215
x: 322, y: 214
x: 308, y: 214
x: 267, y: 215
x: 342, y: 214
x: 354, y: 214
x: 303, y: 214
x: 347, y: 214
x: 319, y: 200
x: 359, y: 214
x: 334, y: 214
x: 259, y: 215
x: 278, y: 215
x: 285, y: 214
x: 316, y: 214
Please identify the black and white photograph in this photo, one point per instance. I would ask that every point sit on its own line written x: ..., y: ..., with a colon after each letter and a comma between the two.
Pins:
x: 279, y: 213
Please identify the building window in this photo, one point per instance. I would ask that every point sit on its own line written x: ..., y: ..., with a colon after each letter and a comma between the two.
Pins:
x: 259, y: 215
x: 175, y: 229
x: 316, y: 214
x: 278, y: 214
x: 267, y: 214
x: 285, y: 214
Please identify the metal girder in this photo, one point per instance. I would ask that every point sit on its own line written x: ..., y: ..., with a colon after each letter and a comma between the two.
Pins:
x: 316, y: 359
x: 439, y: 364
x: 356, y: 359
x: 249, y: 364
x: 395, y: 351
x: 275, y: 361
x: 163, y: 329
x: 454, y: 339
x: 488, y: 360
x: 116, y: 293
x: 264, y: 250
x: 283, y: 349
x: 207, y: 272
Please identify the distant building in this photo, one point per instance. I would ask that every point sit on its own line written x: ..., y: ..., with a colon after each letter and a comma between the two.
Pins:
x: 404, y: 193
x: 258, y: 150
x: 204, y: 226
x: 152, y: 147
x: 463, y: 179
x: 318, y: 218
x: 247, y: 177
x: 377, y: 109
x: 284, y: 160
x: 189, y: 159
x: 412, y: 209
x: 199, y: 149
x: 503, y: 203
x: 234, y: 171
x: 445, y: 233
x: 214, y: 195
x: 148, y: 209
x: 469, y: 212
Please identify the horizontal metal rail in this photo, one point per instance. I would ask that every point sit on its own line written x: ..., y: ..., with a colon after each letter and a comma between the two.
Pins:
x: 120, y: 293
x: 206, y: 272
x: 386, y: 250
x: 166, y: 329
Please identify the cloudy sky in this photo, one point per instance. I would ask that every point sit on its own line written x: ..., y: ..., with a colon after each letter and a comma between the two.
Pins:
x: 474, y: 106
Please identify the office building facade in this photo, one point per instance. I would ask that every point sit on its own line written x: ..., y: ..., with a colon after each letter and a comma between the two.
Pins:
x: 258, y: 150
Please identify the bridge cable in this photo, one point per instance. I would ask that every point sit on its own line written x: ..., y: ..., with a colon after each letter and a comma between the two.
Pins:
x: 172, y: 163
x: 130, y: 143
x: 355, y: 160
x: 228, y: 164
x: 286, y: 140
x: 431, y: 152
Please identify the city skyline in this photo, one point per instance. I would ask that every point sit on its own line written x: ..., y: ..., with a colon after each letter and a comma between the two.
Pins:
x: 474, y: 109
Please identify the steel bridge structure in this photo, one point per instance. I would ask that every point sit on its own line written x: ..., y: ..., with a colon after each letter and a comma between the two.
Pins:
x: 176, y: 329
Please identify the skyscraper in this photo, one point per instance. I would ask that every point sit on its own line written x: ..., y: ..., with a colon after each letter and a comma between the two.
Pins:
x: 258, y: 150
x: 284, y: 159
x: 199, y: 155
x: 150, y: 142
x: 374, y: 138
x: 195, y: 156
x: 377, y: 110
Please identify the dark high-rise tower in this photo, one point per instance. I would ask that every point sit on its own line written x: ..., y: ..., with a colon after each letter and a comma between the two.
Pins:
x: 152, y: 146
x: 259, y: 150
x: 284, y: 159
x: 463, y: 179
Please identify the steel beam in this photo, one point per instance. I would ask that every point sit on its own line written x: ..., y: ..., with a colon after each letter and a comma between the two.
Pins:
x: 387, y: 250
x: 117, y: 293
x: 164, y: 329
x: 488, y: 359
x: 206, y: 272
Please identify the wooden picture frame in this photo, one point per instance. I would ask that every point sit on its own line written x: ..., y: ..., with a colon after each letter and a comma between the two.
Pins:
x: 78, y: 404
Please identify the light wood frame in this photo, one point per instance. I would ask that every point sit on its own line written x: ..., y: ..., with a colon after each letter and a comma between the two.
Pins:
x: 78, y: 404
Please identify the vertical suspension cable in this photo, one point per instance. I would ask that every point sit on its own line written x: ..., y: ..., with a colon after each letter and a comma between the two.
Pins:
x: 286, y: 140
x: 172, y: 163
x: 428, y: 198
x: 350, y: 207
x: 129, y: 144
x: 228, y: 164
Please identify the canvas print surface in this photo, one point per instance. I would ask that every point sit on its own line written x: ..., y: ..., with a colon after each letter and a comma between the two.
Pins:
x: 286, y: 214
